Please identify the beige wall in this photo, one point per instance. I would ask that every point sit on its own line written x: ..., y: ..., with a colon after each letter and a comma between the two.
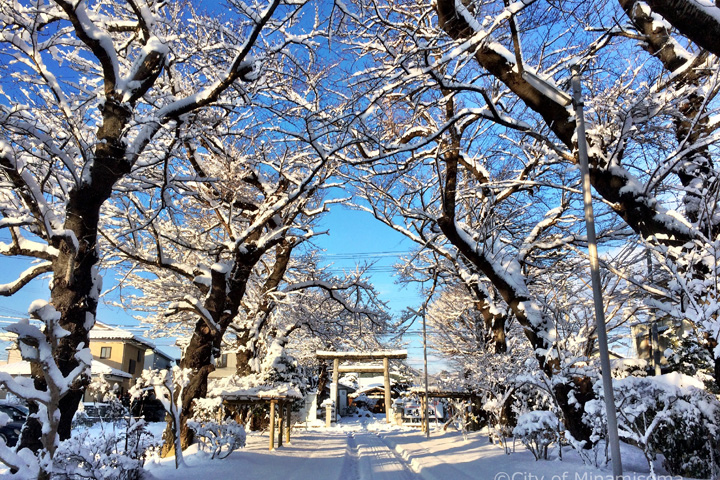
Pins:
x: 229, y: 369
x: 116, y: 353
x: 133, y: 352
x: 120, y: 355
x: 14, y: 355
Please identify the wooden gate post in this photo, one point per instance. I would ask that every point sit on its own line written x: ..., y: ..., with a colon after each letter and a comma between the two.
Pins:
x: 334, y: 388
x: 388, y: 400
x: 281, y: 422
x: 272, y: 424
x: 287, y: 422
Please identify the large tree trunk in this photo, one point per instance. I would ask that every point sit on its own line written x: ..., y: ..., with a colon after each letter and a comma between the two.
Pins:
x: 198, y: 357
x: 75, y: 286
x: 244, y: 354
x: 223, y: 302
x: 571, y: 398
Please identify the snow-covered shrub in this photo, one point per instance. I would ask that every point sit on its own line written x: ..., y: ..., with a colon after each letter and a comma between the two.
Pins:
x: 665, y: 415
x: 537, y: 430
x: 107, y: 454
x: 642, y: 405
x: 595, y: 418
x: 497, y: 406
x: 220, y: 437
x: 628, y: 367
x: 689, y: 440
x: 689, y: 354
x: 168, y: 387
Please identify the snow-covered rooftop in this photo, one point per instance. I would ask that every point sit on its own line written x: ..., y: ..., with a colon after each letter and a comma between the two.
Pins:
x: 379, y: 354
x: 680, y: 380
x: 252, y: 388
x: 102, y: 331
x: 367, y: 389
x: 22, y: 368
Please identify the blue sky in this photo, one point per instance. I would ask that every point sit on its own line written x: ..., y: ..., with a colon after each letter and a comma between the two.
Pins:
x: 354, y: 237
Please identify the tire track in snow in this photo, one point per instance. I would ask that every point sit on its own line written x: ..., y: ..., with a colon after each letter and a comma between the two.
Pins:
x: 376, y: 461
x: 439, y: 471
x: 350, y: 469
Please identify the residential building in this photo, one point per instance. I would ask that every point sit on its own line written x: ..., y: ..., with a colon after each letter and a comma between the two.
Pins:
x: 118, y: 355
x: 158, y: 360
x: 120, y: 349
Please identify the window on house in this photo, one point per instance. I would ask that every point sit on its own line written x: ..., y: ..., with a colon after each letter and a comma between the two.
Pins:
x: 105, y: 352
x: 140, y: 356
x: 132, y: 367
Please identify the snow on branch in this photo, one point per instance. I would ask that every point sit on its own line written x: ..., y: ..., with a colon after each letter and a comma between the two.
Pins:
x: 99, y: 41
x: 28, y: 248
x: 551, y: 218
x: 24, y: 278
x: 334, y: 290
x: 192, y: 304
x: 39, y: 347
x: 243, y: 67
x: 32, y: 195
x: 145, y: 70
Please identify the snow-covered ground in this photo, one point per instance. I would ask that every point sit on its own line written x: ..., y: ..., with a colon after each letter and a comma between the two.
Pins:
x: 372, y: 450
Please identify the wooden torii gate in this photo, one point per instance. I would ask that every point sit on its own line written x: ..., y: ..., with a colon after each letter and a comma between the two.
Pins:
x: 384, y: 355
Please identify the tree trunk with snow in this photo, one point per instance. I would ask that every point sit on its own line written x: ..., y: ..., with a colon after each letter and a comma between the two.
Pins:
x: 700, y: 22
x: 88, y: 161
x: 222, y: 304
x: 76, y: 285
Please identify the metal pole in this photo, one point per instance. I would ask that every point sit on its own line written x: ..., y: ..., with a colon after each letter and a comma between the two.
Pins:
x: 427, y: 416
x: 595, y: 275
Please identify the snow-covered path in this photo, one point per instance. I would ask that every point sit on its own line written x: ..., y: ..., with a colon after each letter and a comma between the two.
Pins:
x: 318, y: 455
x: 372, y: 450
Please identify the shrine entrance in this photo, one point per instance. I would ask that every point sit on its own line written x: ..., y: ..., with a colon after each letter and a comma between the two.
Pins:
x: 384, y: 355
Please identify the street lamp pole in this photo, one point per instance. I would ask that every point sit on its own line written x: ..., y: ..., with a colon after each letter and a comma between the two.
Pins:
x: 595, y: 276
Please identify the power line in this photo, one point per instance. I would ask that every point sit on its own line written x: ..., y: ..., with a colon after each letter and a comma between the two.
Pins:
x: 381, y: 254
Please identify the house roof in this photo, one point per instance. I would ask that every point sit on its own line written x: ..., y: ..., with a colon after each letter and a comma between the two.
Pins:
x: 102, y: 331
x: 377, y: 388
x: 22, y: 368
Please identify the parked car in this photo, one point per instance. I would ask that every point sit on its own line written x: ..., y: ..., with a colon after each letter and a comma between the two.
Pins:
x: 10, y: 432
x: 150, y: 409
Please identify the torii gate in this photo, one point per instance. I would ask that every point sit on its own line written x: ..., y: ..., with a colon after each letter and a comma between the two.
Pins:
x: 385, y: 355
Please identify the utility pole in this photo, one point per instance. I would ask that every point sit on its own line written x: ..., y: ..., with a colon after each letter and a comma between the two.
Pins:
x: 595, y: 276
x: 427, y: 399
